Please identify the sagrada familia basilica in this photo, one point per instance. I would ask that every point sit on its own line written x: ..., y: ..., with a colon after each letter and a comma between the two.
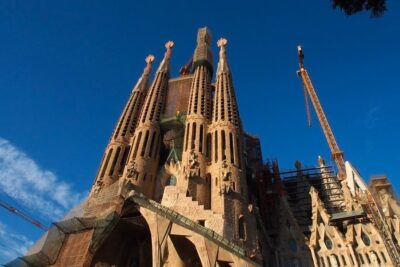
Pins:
x: 182, y: 184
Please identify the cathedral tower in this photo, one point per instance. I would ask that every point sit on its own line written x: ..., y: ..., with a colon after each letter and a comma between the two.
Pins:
x: 197, y: 141
x: 229, y: 189
x: 143, y: 161
x: 115, y: 156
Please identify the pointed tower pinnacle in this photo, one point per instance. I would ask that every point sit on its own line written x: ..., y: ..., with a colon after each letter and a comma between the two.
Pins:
x: 115, y: 156
x: 164, y: 65
x: 222, y: 63
x: 142, y: 82
x: 197, y: 120
x: 143, y: 161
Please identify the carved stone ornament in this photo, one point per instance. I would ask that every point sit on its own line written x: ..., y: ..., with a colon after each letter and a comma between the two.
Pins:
x: 193, y: 160
x: 132, y: 171
x: 98, y: 186
x: 225, y: 172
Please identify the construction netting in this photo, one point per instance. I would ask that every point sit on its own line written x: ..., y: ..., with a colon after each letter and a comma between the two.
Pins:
x: 49, y: 246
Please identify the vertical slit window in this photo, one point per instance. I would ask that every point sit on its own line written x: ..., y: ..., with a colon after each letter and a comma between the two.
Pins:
x: 137, y: 145
x: 152, y: 143
x: 106, y: 162
x: 368, y: 259
x: 344, y: 260
x: 383, y: 256
x: 187, y: 136
x: 242, y: 228
x: 193, y: 135
x: 116, y: 156
x: 201, y: 138
x: 231, y: 148
x: 146, y: 138
x: 123, y: 160
x: 208, y: 151
x: 239, y: 153
x: 216, y: 146
x: 223, y: 144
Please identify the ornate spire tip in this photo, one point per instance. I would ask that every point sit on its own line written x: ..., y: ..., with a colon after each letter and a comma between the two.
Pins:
x: 169, y: 44
x: 222, y: 42
x: 149, y: 59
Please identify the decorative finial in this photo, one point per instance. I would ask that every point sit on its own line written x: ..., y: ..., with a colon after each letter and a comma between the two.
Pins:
x: 169, y: 45
x: 149, y: 59
x: 222, y: 42
x: 222, y: 64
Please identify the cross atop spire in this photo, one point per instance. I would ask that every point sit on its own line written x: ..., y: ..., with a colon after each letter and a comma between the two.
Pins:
x: 164, y: 65
x: 222, y: 64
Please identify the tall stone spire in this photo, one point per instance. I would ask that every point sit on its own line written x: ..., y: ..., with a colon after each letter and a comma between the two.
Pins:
x: 142, y: 164
x: 196, y: 151
x: 225, y: 105
x: 229, y: 187
x: 115, y: 156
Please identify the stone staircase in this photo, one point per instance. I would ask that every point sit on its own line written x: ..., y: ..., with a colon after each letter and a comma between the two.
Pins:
x: 176, y: 200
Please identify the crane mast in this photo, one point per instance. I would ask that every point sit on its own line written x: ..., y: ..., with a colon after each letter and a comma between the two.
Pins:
x: 23, y: 215
x: 369, y: 205
x: 337, y: 154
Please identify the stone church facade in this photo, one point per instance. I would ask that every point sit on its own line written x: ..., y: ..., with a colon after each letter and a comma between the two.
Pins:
x: 182, y: 184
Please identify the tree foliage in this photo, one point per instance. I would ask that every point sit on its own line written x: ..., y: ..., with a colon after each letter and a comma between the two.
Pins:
x: 350, y: 7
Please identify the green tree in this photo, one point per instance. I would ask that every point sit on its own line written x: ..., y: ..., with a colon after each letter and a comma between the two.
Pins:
x: 350, y: 7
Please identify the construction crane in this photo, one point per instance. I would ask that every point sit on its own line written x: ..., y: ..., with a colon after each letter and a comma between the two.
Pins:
x: 368, y: 201
x: 23, y: 215
x: 337, y: 154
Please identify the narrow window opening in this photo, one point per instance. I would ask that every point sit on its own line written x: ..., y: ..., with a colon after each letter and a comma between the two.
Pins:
x: 231, y: 148
x: 137, y: 145
x: 361, y: 258
x: 239, y: 152
x: 344, y: 260
x: 123, y: 160
x: 201, y: 138
x: 106, y: 163
x: 383, y: 256
x: 152, y: 143
x: 187, y: 136
x: 328, y: 260
x: 223, y: 143
x: 367, y: 257
x: 146, y: 138
x: 114, y: 162
x: 216, y: 147
x: 351, y: 259
x: 208, y: 151
x: 242, y: 228
x: 193, y: 135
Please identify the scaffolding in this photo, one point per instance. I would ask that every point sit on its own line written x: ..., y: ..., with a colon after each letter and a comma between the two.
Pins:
x: 297, y: 185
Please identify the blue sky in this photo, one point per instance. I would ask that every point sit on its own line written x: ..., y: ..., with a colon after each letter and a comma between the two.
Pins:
x: 66, y: 71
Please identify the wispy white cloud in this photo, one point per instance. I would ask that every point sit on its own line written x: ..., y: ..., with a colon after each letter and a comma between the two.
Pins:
x: 37, y: 189
x: 12, y: 244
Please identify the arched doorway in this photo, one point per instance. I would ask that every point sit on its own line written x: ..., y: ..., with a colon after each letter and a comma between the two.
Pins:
x: 186, y: 251
x: 129, y: 242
